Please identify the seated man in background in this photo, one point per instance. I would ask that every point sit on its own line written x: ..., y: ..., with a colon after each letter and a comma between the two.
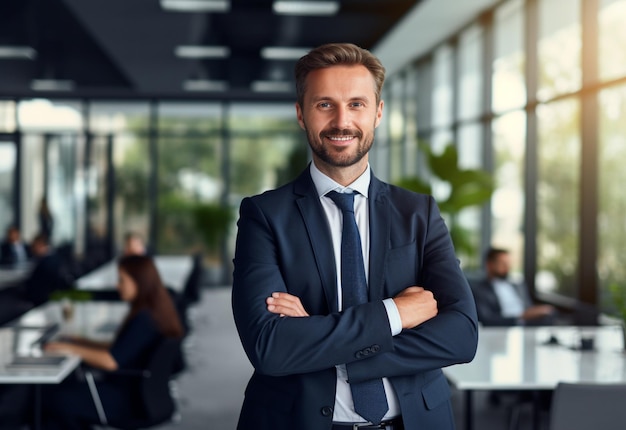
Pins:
x: 501, y: 302
x: 13, y: 249
x: 49, y: 273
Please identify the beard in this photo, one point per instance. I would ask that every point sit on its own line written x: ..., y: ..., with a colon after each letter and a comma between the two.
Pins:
x: 343, y: 156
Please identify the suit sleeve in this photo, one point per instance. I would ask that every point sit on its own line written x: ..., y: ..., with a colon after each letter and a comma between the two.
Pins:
x: 280, y: 346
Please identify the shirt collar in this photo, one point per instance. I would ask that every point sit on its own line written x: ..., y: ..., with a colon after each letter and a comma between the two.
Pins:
x: 324, y: 184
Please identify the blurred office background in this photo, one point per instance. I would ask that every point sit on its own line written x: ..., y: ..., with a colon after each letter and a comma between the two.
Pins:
x: 129, y: 115
x: 134, y: 115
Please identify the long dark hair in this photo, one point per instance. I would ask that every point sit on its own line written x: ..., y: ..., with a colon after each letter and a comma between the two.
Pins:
x: 151, y: 295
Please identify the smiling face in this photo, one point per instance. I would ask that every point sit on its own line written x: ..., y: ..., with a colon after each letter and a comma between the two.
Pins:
x: 339, y: 114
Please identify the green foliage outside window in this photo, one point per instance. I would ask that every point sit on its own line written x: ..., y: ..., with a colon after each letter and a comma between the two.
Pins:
x: 468, y: 187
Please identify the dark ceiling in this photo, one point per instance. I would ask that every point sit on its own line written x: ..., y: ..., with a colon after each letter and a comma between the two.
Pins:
x: 126, y: 48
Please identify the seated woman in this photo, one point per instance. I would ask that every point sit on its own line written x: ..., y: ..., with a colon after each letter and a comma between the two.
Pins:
x: 151, y: 317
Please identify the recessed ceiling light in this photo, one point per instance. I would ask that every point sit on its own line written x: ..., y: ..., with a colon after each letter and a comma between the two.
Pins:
x: 196, y: 5
x: 306, y: 7
x: 271, y: 87
x: 204, y: 85
x: 283, y: 53
x: 197, y: 51
x: 52, y: 85
x: 17, y: 52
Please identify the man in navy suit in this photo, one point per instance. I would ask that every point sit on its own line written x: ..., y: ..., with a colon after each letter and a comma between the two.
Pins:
x: 13, y: 249
x: 502, y: 302
x: 306, y: 348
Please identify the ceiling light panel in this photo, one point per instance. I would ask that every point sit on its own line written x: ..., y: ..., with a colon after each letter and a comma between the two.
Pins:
x: 283, y: 53
x: 204, y: 85
x: 196, y: 5
x: 198, y: 51
x: 320, y: 8
x: 52, y: 85
x: 17, y: 52
x: 271, y: 87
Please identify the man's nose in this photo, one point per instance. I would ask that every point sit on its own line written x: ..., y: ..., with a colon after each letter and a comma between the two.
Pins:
x: 342, y: 119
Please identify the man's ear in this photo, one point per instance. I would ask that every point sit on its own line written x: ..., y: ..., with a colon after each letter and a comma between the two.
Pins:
x: 299, y: 116
x: 379, y: 113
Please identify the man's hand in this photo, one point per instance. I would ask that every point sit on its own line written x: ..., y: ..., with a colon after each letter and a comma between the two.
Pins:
x: 286, y: 305
x: 415, y: 305
x: 538, y: 311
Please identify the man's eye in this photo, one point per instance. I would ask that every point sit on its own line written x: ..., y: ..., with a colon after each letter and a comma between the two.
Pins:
x: 357, y: 104
x: 324, y: 105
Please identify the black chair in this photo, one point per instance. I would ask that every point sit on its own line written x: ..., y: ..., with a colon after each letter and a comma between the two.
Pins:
x: 191, y: 290
x: 159, y: 405
x: 588, y: 406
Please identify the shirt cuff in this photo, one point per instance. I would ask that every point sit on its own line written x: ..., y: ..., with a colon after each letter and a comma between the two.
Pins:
x: 394, y: 316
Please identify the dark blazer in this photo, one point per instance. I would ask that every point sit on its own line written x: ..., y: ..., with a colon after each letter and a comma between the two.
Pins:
x: 48, y: 275
x: 9, y: 255
x: 284, y: 244
x: 488, y: 306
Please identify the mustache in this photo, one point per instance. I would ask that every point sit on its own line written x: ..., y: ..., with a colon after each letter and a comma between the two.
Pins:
x: 340, y: 132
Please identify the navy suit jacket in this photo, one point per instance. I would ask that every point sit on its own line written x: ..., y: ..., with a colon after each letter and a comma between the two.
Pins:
x: 284, y: 244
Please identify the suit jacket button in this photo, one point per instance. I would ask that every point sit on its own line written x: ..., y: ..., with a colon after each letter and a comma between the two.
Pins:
x: 359, y: 354
x: 375, y: 348
x: 327, y: 411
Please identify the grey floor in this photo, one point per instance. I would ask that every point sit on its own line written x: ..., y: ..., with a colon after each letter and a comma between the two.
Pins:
x: 210, y: 391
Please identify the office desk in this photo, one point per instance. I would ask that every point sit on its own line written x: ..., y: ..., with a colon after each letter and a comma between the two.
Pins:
x: 520, y: 358
x: 14, y: 275
x: 174, y: 271
x: 96, y: 320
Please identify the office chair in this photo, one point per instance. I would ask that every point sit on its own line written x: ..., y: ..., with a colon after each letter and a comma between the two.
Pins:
x: 588, y: 406
x: 191, y: 290
x: 159, y: 405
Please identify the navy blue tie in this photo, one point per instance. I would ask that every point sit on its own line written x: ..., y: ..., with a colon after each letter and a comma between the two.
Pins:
x: 369, y: 396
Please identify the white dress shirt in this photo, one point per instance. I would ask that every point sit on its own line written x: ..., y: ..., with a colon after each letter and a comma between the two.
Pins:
x: 344, y: 406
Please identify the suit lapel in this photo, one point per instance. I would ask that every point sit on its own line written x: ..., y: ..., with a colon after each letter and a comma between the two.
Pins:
x: 319, y: 235
x: 379, y: 237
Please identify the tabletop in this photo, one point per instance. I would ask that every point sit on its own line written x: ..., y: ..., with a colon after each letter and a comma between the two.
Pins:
x: 174, y: 270
x: 536, y: 358
x: 13, y: 275
x: 96, y: 320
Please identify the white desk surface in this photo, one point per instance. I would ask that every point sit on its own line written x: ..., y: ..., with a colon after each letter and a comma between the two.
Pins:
x: 174, y: 270
x: 10, y: 276
x: 519, y: 358
x: 96, y: 320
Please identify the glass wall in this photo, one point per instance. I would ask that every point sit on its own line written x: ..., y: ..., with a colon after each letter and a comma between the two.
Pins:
x: 507, y: 202
x: 612, y: 39
x: 612, y: 198
x: 509, y: 62
x: 530, y: 134
x: 122, y: 130
x: 8, y: 157
x: 51, y: 162
x: 558, y: 197
x: 190, y: 159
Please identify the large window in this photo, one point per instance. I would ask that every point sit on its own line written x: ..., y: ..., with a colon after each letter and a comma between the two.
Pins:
x: 7, y: 172
x: 559, y: 48
x: 190, y: 159
x: 7, y: 116
x: 508, y: 77
x: 612, y: 39
x: 558, y: 197
x: 126, y: 127
x: 507, y: 203
x: 612, y: 198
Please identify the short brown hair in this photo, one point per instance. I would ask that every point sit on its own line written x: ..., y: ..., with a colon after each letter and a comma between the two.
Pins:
x: 338, y: 54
